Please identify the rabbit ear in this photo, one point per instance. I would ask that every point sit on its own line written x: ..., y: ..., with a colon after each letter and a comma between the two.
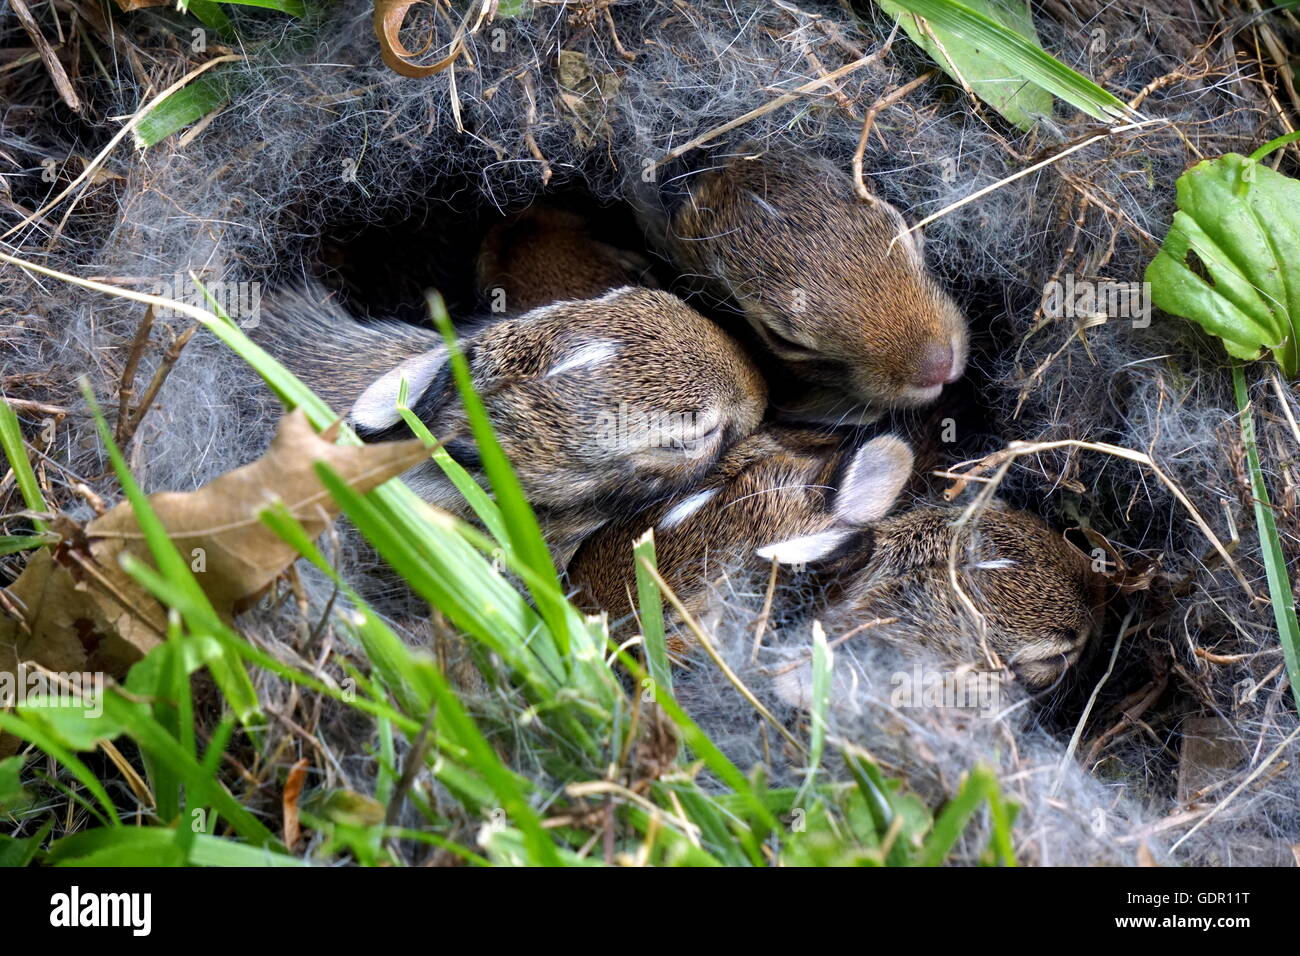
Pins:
x: 873, y: 480
x: 376, y: 409
x: 807, y: 548
x: 871, y: 484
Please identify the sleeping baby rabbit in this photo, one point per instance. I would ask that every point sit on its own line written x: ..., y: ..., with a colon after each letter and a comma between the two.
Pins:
x: 602, y: 405
x: 800, y: 498
x: 822, y: 276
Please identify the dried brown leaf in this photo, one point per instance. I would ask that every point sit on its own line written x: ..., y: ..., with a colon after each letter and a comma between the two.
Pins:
x: 292, y: 791
x: 388, y: 18
x: 79, y: 610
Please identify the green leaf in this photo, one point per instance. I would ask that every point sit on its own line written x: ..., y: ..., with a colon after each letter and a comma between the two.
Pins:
x: 993, y: 45
x: 1275, y: 566
x: 990, y: 78
x: 187, y: 105
x: 980, y: 785
x: 50, y: 744
x: 19, y: 851
x: 210, y: 14
x: 11, y: 441
x: 13, y: 796
x: 12, y: 544
x: 77, y: 726
x: 1231, y: 260
x: 156, y: 846
x: 292, y: 7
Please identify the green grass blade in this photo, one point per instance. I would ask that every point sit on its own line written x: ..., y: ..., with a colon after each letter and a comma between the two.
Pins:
x: 1275, y: 566
x: 121, y: 846
x: 419, y: 681
x: 150, y: 735
x: 480, y: 754
x: 186, y: 106
x: 980, y: 784
x: 15, y: 449
x: 521, y: 523
x: 1018, y: 53
x: 821, y: 705
x: 708, y: 751
x: 483, y: 507
x: 651, y: 605
x: 12, y: 544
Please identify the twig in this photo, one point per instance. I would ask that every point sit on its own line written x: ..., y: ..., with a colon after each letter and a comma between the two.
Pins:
x: 169, y: 359
x: 773, y: 104
x: 126, y: 388
x: 883, y: 103
x: 51, y: 60
x: 36, y: 408
x: 766, y: 612
x: 529, y: 139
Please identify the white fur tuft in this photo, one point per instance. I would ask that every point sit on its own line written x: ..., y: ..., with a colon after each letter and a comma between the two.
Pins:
x: 376, y: 409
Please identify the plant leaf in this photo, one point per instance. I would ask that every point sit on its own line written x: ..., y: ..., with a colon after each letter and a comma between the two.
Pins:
x: 11, y: 441
x: 187, y: 105
x: 1231, y: 260
x: 993, y: 45
x: 1270, y: 543
x: 989, y: 77
x: 76, y: 623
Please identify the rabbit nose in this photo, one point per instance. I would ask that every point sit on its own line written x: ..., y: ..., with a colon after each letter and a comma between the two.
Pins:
x: 937, y: 367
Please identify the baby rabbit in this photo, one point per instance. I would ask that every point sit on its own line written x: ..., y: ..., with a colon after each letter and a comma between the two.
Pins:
x: 547, y: 255
x: 821, y: 275
x: 1037, y: 594
x: 602, y: 405
x: 777, y: 483
x: 800, y: 499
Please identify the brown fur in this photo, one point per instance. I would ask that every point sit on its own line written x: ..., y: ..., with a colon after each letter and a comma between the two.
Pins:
x: 772, y: 485
x: 563, y: 386
x: 781, y: 485
x: 817, y: 273
x: 1039, y: 609
x: 334, y: 354
x: 548, y: 255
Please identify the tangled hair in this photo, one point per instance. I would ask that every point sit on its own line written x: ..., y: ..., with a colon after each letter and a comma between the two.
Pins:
x: 321, y: 149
